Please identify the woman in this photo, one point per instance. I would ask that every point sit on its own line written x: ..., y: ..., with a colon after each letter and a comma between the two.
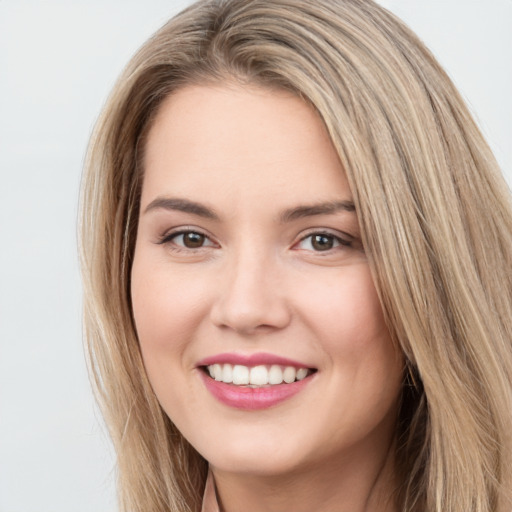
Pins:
x: 296, y: 249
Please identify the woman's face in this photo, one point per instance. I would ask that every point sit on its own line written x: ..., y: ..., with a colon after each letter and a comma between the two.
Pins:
x: 249, y: 267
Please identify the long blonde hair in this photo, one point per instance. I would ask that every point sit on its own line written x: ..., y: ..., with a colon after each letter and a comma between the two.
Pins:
x: 434, y: 211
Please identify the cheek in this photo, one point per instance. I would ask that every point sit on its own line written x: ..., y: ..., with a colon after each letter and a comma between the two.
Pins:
x: 349, y: 325
x: 166, y: 305
x: 346, y: 310
x: 167, y: 308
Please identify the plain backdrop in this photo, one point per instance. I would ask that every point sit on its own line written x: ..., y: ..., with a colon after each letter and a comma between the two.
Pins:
x: 58, y: 60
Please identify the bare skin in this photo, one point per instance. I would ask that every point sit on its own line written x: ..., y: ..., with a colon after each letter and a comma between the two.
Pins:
x: 248, y: 243
x: 348, y: 488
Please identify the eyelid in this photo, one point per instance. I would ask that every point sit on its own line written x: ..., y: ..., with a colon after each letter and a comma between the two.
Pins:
x: 343, y: 237
x: 170, y: 235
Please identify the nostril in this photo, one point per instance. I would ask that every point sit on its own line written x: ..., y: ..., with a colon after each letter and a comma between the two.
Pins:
x: 248, y: 316
x: 249, y: 296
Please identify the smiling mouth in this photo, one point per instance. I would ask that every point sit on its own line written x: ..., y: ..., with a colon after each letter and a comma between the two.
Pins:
x: 256, y: 376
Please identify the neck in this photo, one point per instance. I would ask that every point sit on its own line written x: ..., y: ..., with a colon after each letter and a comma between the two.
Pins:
x: 353, y: 484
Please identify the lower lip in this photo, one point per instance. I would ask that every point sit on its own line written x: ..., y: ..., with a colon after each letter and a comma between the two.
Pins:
x: 251, y: 399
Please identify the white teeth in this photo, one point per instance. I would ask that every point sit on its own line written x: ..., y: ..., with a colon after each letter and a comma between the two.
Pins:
x: 302, y: 373
x: 240, y: 374
x: 289, y: 374
x: 275, y: 375
x: 227, y: 373
x: 217, y: 372
x: 260, y: 375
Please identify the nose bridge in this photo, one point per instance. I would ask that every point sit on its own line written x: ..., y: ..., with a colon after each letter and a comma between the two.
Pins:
x: 250, y: 296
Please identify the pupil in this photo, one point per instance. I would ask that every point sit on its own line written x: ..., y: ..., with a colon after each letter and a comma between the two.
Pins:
x: 322, y: 242
x: 193, y: 240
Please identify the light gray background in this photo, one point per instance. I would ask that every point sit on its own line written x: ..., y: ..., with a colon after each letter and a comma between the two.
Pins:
x: 58, y: 60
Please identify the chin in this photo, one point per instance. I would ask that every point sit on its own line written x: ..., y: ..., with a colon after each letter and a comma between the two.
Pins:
x: 256, y: 465
x: 263, y: 455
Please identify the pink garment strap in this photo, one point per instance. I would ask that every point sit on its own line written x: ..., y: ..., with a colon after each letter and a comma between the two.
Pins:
x: 210, y: 503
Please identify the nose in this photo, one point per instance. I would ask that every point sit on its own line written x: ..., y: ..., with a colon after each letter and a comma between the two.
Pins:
x: 251, y: 296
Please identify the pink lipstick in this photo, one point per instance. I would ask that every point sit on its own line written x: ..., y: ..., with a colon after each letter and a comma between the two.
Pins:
x: 255, y: 381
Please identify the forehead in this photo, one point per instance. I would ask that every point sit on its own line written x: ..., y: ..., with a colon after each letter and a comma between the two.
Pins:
x: 243, y: 141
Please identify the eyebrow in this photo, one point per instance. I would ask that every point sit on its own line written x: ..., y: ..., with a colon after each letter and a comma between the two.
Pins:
x: 326, y: 208
x: 182, y: 205
x: 289, y: 215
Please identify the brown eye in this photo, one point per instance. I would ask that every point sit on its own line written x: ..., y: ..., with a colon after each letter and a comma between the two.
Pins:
x: 193, y: 240
x: 322, y: 242
x: 187, y: 240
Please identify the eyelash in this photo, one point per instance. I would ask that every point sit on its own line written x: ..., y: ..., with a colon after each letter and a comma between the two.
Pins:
x: 169, y: 238
x: 342, y: 242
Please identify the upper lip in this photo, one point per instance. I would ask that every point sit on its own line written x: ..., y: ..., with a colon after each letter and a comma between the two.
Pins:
x: 260, y: 358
